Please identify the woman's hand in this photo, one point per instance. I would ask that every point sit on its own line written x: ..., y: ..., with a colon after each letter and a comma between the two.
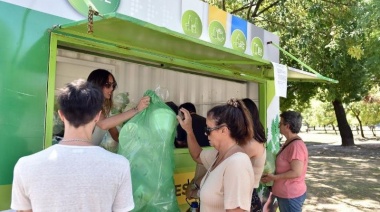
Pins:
x: 186, y: 122
x: 144, y: 103
x: 268, y: 178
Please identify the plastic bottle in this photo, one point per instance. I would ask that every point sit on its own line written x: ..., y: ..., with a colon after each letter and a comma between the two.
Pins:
x: 194, y: 207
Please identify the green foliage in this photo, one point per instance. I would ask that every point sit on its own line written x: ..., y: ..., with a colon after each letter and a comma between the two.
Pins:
x: 369, y: 113
x: 324, y: 35
x: 371, y: 21
x: 273, y: 144
x: 309, y: 117
x: 319, y: 114
x: 325, y: 114
x: 249, y: 10
x: 296, y: 100
x: 367, y: 110
x: 339, y: 39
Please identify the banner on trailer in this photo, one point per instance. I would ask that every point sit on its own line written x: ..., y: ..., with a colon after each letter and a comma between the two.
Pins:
x: 255, y: 37
x: 281, y: 79
x: 192, y: 20
x: 217, y: 25
x: 191, y: 17
x: 238, y: 34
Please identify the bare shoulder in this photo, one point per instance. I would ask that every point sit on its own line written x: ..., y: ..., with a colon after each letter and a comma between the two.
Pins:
x: 254, y: 149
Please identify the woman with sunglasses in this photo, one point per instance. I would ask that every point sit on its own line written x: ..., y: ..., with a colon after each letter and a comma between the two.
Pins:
x: 229, y: 181
x: 106, y: 81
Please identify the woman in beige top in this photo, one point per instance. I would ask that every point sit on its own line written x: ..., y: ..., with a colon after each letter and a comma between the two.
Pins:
x: 256, y: 152
x: 229, y: 181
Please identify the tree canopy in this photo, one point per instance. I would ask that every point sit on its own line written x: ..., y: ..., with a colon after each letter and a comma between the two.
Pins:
x: 339, y: 39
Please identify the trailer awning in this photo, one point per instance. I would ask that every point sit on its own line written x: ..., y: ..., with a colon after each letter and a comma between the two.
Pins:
x: 122, y: 36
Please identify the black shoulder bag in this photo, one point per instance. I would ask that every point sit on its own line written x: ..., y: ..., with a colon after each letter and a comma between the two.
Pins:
x: 282, y: 148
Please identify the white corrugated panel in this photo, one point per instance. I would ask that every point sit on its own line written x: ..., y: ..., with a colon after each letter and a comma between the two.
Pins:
x: 203, y: 92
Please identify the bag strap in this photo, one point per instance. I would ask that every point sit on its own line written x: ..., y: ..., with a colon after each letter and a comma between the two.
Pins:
x: 297, y: 138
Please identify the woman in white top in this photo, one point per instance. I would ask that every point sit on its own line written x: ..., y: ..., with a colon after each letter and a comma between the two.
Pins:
x: 229, y: 181
x: 256, y: 152
x: 106, y: 81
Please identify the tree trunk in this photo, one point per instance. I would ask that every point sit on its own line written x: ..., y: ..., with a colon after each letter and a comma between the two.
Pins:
x: 336, y: 133
x: 373, y: 130
x: 361, y: 126
x: 344, y: 128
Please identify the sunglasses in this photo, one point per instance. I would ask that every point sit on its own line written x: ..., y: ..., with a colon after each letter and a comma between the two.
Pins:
x: 208, y: 130
x: 109, y: 84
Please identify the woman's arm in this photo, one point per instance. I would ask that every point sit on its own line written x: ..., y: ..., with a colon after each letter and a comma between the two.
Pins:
x: 235, y: 210
x: 114, y: 132
x: 186, y: 124
x: 295, y: 171
x: 113, y: 121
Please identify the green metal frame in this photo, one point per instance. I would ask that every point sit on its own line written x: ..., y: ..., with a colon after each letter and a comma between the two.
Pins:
x: 263, y: 105
x: 174, y: 50
x: 318, y: 75
x: 170, y: 62
x: 143, y: 40
x: 112, y: 37
x: 50, y: 90
x: 5, y: 192
x: 112, y: 50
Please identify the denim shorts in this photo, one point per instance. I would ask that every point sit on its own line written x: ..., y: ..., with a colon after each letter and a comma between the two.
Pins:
x: 291, y: 205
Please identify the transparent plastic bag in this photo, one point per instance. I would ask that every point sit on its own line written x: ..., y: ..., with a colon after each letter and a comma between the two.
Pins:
x: 146, y: 141
x: 162, y: 92
x: 108, y: 143
x: 269, y: 167
x: 120, y: 102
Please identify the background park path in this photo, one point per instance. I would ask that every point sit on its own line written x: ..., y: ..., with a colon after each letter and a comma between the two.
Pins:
x: 342, y: 178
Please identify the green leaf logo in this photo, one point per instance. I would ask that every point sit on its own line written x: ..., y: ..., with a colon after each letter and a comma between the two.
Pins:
x: 238, y: 40
x: 257, y: 47
x: 217, y: 33
x: 102, y: 6
x: 191, y: 24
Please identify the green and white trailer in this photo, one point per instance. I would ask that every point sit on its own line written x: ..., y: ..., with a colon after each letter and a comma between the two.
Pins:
x: 193, y: 50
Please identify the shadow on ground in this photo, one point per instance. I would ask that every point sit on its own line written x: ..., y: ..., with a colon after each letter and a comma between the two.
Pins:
x: 343, y: 178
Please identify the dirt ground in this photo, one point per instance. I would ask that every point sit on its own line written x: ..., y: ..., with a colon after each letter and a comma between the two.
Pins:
x: 342, y: 178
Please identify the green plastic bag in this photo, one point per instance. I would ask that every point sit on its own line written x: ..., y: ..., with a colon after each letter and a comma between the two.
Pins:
x: 146, y: 141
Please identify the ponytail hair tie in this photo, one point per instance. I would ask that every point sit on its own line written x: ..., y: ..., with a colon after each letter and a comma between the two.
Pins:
x: 233, y: 102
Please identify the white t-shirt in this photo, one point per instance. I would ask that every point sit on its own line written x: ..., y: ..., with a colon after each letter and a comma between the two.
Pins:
x: 72, y: 178
x: 229, y: 185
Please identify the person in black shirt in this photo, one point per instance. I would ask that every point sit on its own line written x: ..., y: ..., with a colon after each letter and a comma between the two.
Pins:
x: 199, y: 125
